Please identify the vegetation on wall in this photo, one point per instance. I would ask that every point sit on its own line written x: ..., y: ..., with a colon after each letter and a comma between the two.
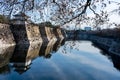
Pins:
x: 3, y: 19
x: 47, y: 24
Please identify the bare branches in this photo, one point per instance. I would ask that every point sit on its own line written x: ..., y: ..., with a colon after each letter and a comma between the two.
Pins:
x: 83, y: 11
x: 60, y: 11
x: 97, y: 15
x: 114, y: 2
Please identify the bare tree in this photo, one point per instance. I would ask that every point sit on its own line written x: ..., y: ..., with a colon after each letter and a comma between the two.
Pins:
x: 62, y: 11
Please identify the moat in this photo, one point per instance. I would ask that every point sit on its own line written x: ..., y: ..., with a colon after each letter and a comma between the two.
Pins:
x: 74, y: 60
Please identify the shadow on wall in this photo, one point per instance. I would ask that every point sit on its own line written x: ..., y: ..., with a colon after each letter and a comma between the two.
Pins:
x: 20, y: 34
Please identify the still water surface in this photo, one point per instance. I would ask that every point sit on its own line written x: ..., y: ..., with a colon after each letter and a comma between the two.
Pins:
x: 78, y: 60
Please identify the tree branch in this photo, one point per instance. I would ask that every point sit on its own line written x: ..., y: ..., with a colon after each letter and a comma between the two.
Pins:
x: 94, y: 12
x: 83, y: 11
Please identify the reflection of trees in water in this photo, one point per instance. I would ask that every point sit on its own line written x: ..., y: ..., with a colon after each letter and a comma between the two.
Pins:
x: 24, y: 54
x: 115, y: 59
x: 5, y: 70
x: 5, y: 55
x: 71, y: 45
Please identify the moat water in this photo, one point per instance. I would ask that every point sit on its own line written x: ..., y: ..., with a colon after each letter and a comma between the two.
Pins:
x: 74, y: 60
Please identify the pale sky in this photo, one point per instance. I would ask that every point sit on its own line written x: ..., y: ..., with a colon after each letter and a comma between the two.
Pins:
x: 114, y: 17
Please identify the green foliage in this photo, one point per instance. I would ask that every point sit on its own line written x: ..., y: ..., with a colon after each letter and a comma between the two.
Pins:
x: 46, y: 24
x: 3, y: 19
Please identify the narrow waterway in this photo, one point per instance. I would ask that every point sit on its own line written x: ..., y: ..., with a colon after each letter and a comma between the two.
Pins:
x: 75, y: 60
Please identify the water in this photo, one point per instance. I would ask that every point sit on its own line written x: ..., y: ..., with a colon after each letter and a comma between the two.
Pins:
x: 78, y: 60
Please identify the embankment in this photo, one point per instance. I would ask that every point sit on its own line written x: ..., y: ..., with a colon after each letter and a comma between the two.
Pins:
x: 6, y: 36
x: 28, y: 34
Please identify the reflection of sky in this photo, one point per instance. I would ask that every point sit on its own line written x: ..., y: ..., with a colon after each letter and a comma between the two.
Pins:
x: 95, y: 63
x: 79, y: 63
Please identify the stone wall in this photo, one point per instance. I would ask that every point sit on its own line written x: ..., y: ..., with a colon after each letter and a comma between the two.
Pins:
x: 33, y: 33
x: 29, y: 33
x: 26, y: 33
x: 6, y: 36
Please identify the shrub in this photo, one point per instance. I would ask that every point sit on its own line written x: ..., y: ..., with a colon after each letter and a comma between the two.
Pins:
x: 47, y: 24
x: 3, y: 19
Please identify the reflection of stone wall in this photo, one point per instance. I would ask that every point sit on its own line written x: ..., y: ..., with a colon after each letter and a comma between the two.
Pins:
x: 5, y: 55
x: 33, y: 51
x: 6, y: 37
x: 24, y: 54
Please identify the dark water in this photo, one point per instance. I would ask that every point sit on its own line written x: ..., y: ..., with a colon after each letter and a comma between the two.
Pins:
x: 78, y: 60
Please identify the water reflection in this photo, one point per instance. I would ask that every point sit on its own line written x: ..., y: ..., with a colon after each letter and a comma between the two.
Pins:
x: 82, y: 61
x: 5, y: 55
x: 115, y: 59
x: 21, y: 56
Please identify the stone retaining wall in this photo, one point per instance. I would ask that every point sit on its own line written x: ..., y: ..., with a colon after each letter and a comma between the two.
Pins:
x: 28, y: 33
x: 6, y: 36
x: 33, y: 33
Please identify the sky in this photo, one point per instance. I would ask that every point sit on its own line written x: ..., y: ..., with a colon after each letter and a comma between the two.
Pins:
x: 114, y: 18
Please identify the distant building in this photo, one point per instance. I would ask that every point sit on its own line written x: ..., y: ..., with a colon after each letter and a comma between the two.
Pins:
x: 87, y: 28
